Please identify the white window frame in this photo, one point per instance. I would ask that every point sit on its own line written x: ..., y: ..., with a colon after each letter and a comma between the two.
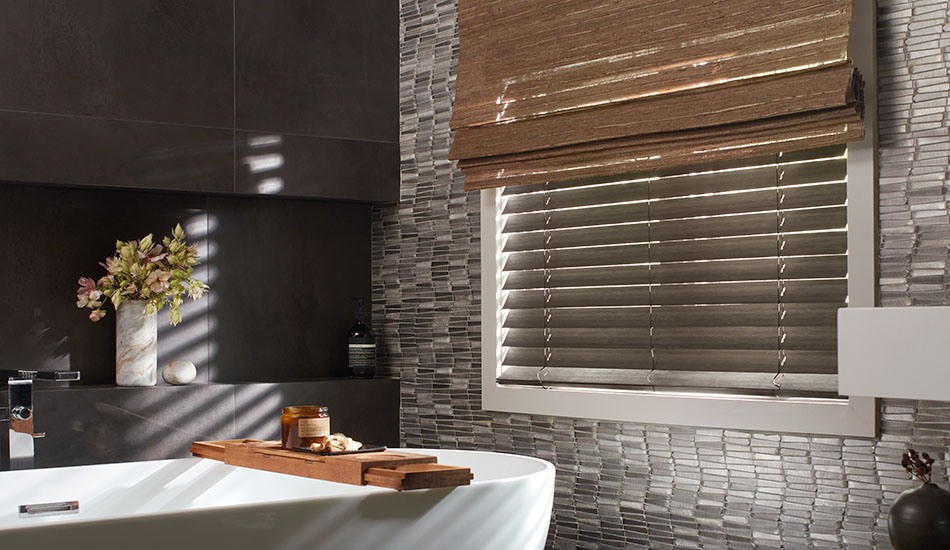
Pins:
x: 854, y: 416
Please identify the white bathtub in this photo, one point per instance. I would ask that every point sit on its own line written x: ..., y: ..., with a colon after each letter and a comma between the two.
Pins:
x: 196, y: 503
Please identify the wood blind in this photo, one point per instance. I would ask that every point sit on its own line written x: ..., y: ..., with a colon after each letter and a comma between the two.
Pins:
x: 562, y: 90
x: 723, y: 277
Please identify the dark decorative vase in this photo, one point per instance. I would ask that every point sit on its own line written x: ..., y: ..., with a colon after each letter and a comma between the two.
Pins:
x: 920, y: 519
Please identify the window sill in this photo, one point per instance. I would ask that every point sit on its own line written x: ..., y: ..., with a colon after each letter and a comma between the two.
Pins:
x: 853, y: 417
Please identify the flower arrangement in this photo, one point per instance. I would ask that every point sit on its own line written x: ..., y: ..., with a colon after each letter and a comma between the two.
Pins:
x: 142, y: 270
x: 917, y: 465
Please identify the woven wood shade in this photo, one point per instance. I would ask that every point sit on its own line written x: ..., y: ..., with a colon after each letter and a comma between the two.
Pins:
x: 563, y: 90
x: 723, y: 277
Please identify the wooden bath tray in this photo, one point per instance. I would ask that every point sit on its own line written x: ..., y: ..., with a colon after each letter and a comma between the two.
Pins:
x: 392, y: 469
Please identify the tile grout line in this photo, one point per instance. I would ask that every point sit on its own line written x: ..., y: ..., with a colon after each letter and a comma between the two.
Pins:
x: 234, y: 124
x: 189, y: 125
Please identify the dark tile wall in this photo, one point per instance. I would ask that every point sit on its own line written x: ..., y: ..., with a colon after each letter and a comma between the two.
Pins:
x: 161, y: 94
x: 281, y: 271
x: 626, y: 485
x: 93, y: 425
x: 146, y: 60
x: 318, y: 68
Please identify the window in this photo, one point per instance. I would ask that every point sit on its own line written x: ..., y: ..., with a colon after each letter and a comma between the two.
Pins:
x: 705, y: 295
x: 648, y: 254
x: 718, y: 278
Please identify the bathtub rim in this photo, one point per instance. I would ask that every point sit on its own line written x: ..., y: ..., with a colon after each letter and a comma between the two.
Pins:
x: 546, y: 469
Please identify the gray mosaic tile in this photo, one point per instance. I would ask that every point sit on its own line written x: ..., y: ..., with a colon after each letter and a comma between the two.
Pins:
x: 624, y: 485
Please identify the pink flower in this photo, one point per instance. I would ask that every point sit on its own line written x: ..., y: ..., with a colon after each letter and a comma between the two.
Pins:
x: 85, y: 283
x: 87, y: 292
x: 96, y: 314
x: 157, y: 281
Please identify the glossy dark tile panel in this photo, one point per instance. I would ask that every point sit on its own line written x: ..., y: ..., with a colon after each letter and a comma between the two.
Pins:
x: 366, y: 410
x: 154, y: 60
x: 99, y: 152
x: 97, y: 425
x: 316, y: 167
x: 318, y: 68
x: 51, y: 237
x: 285, y: 272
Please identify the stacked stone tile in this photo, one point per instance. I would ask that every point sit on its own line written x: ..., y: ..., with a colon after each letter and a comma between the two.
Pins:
x: 913, y: 42
x: 623, y: 485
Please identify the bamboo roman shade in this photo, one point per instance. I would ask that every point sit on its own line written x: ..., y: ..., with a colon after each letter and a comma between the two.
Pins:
x: 564, y: 89
x: 723, y: 277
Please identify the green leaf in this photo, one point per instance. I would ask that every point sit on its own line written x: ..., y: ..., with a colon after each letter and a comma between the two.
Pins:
x: 178, y: 232
x: 146, y: 243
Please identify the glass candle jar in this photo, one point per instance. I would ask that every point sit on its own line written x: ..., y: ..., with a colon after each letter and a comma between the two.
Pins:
x: 303, y: 426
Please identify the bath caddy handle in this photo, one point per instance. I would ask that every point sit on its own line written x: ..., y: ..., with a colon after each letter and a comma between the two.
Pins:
x: 393, y: 469
x: 49, y: 509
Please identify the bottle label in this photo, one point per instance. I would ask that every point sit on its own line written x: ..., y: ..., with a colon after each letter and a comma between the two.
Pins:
x: 313, y: 427
x: 362, y: 355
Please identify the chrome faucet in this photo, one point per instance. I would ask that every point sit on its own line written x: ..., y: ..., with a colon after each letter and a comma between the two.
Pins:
x: 19, y: 412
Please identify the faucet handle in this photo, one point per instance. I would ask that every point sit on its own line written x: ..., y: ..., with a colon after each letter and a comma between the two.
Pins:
x: 21, y: 421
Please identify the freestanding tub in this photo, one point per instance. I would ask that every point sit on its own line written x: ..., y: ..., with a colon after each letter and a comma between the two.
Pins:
x: 197, y: 503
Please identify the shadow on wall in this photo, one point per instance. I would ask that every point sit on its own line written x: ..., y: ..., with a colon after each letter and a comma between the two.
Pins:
x: 194, y: 338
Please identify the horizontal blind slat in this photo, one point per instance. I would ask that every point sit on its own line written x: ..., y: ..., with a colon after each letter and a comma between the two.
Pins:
x: 813, y: 219
x: 796, y: 267
x: 577, y: 257
x: 744, y: 338
x: 585, y: 236
x: 751, y: 292
x: 737, y: 360
x: 724, y: 248
x: 822, y: 217
x: 626, y: 338
x: 696, y: 183
x: 606, y: 296
x: 796, y: 244
x: 750, y: 201
x: 590, y: 317
x: 828, y: 152
x: 578, y: 276
x: 739, y: 270
x: 763, y: 337
x: 796, y: 314
x: 570, y: 357
x: 828, y: 170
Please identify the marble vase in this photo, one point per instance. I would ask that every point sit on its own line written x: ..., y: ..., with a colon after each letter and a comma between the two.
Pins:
x: 136, y: 345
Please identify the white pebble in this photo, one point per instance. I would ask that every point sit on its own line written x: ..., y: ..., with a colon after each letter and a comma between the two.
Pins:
x: 179, y: 372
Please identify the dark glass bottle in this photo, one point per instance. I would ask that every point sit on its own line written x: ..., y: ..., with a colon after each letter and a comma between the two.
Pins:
x: 361, y: 345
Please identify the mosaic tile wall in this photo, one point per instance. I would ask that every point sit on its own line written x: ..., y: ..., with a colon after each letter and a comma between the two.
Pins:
x: 633, y: 486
